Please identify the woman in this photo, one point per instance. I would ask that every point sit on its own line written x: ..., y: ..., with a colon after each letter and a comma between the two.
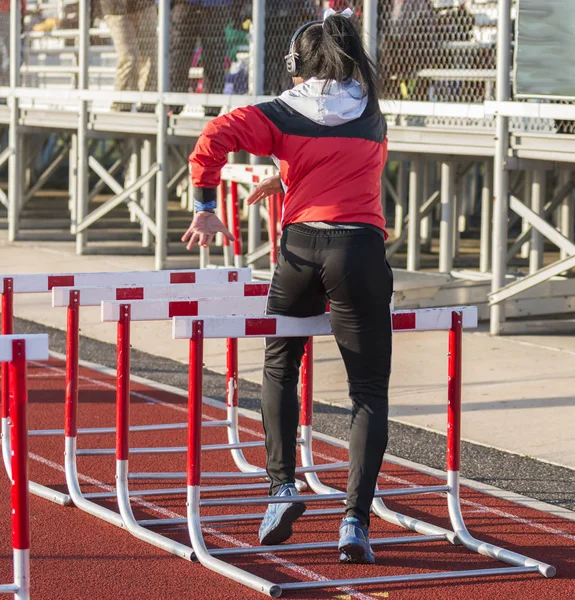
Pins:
x: 329, y: 138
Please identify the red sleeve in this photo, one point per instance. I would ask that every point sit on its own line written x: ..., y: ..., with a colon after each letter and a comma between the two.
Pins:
x: 245, y: 128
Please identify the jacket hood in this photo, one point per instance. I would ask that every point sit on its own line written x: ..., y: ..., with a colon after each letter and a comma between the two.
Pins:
x: 340, y: 103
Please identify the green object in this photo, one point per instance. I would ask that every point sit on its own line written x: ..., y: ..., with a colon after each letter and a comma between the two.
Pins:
x: 235, y: 38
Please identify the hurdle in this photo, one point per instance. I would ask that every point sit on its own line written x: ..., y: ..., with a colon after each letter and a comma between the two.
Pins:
x: 15, y: 351
x: 228, y: 210
x: 142, y: 310
x: 129, y: 282
x: 453, y: 320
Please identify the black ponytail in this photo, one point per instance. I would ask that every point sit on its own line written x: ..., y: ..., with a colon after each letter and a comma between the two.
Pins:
x: 333, y: 50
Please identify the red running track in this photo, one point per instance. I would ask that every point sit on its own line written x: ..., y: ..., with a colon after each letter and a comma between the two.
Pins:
x: 77, y: 557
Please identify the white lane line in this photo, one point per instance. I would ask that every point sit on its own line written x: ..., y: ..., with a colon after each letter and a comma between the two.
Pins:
x: 175, y: 391
x: 159, y: 510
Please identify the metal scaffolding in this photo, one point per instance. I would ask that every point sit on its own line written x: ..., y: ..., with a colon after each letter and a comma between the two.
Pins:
x: 460, y: 146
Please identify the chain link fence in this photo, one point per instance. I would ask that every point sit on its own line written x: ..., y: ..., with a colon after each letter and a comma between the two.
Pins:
x: 437, y: 50
x: 427, y: 50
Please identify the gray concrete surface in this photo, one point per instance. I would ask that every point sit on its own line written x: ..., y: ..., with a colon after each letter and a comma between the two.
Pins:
x: 519, y: 390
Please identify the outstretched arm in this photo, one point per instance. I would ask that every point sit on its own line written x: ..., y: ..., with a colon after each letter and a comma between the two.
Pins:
x: 242, y: 129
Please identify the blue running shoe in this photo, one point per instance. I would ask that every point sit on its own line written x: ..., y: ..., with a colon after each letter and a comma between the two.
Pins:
x: 277, y: 523
x: 354, y: 542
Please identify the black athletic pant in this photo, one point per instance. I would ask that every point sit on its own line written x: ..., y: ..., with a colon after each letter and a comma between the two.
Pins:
x: 348, y: 268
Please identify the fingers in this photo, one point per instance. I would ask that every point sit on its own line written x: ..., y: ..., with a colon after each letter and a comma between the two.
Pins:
x: 256, y: 196
x: 225, y: 231
x: 194, y: 239
x: 187, y: 234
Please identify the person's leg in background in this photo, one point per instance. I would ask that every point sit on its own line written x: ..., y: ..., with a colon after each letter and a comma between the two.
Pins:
x: 359, y: 285
x: 146, y: 25
x: 184, y: 17
x: 126, y: 45
x: 4, y: 51
x: 295, y: 291
x: 213, y: 37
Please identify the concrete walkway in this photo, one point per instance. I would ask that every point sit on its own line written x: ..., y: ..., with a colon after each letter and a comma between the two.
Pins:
x: 519, y: 390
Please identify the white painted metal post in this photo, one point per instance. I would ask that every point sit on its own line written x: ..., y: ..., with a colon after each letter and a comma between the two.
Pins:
x: 486, y: 217
x: 161, y: 136
x: 14, y: 142
x: 82, y: 141
x: 147, y: 190
x: 537, y: 203
x: 446, y: 226
x: 257, y: 89
x: 402, y: 194
x: 73, y: 181
x: 567, y: 219
x: 428, y: 184
x: 413, y: 230
x: 528, y: 188
x: 500, y: 174
x: 370, y: 27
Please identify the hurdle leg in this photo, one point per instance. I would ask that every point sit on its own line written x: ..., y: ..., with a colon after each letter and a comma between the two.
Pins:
x: 20, y: 492
x: 378, y: 506
x: 7, y: 328
x: 71, y: 407
x: 122, y: 445
x: 236, y: 230
x: 232, y: 407
x: 228, y: 260
x: 453, y: 464
x: 195, y: 398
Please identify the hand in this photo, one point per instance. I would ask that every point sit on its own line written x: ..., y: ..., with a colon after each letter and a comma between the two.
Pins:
x: 268, y: 187
x: 203, y: 229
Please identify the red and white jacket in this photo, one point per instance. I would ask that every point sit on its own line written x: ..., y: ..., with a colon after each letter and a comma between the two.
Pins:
x: 331, y: 148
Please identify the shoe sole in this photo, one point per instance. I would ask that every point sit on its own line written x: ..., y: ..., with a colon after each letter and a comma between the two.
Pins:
x: 354, y: 552
x: 283, y: 529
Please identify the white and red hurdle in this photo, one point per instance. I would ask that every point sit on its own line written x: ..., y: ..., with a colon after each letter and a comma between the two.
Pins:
x: 125, y: 285
x: 451, y: 319
x: 15, y: 351
x: 229, y: 210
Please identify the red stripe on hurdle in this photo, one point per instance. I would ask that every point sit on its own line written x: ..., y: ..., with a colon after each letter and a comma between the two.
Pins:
x: 182, y: 278
x: 261, y: 326
x: 256, y: 179
x: 60, y: 281
x: 256, y: 289
x: 232, y: 276
x: 130, y: 294
x: 403, y: 321
x: 186, y: 308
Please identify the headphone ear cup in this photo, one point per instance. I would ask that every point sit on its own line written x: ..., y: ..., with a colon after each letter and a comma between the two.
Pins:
x: 292, y: 64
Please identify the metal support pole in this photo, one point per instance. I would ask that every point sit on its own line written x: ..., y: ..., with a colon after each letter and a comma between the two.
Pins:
x: 486, y: 217
x: 500, y: 174
x: 413, y: 233
x: 161, y: 136
x: 146, y: 161
x: 370, y: 27
x: 567, y: 219
x: 428, y: 184
x: 256, y: 89
x: 402, y: 194
x: 14, y: 142
x: 132, y: 176
x: 525, y: 225
x: 537, y: 202
x: 446, y: 226
x: 73, y: 180
x: 82, y: 162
